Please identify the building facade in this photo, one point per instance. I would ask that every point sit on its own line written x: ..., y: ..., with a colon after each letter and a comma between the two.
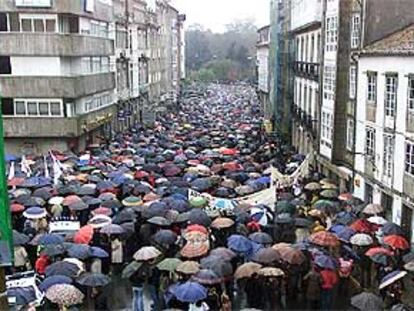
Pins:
x: 262, y: 63
x: 384, y: 160
x: 306, y: 16
x: 56, y: 82
x: 92, y: 66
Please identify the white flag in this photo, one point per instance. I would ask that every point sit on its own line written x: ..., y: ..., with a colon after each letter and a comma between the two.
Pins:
x: 11, y: 171
x: 57, y: 169
x: 25, y: 167
x: 47, y: 175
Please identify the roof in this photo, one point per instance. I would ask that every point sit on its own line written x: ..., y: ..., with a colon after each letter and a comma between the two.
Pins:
x: 397, y: 43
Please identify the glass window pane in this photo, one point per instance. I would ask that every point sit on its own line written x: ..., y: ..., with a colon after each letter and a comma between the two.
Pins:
x: 55, y: 109
x: 50, y: 25
x: 39, y: 26
x: 20, y: 108
x: 44, y: 108
x: 32, y: 109
x: 26, y: 25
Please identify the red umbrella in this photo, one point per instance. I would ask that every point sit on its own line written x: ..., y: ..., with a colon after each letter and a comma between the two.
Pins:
x: 84, y: 235
x: 15, y: 181
x: 193, y: 250
x: 362, y: 226
x: 16, y: 208
x: 324, y: 238
x: 378, y: 250
x: 345, y: 196
x: 141, y: 174
x: 197, y: 228
x: 229, y: 151
x: 396, y: 241
x: 232, y: 166
x: 71, y: 199
x: 193, y: 162
x: 102, y: 211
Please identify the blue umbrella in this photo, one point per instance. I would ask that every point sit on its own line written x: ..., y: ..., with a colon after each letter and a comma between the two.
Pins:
x: 351, y: 252
x: 239, y: 243
x: 35, y: 212
x: 391, y: 278
x: 335, y: 229
x: 345, y: 234
x: 36, y: 182
x: 225, y: 204
x: 326, y: 262
x: 10, y: 158
x: 250, y: 253
x: 190, y: 292
x: 261, y: 237
x: 93, y: 279
x: 51, y: 239
x: 79, y: 251
x: 165, y: 237
x: 178, y: 205
x: 391, y: 228
x: 23, y: 295
x: 345, y: 218
x: 62, y: 268
x: 53, y: 280
x: 179, y: 196
x: 98, y: 252
x: 265, y: 180
x: 201, y: 184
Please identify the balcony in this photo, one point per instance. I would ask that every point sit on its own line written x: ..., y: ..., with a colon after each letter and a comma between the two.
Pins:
x: 56, y: 86
x: 102, y: 11
x: 51, y: 44
x: 33, y: 127
x: 307, y: 70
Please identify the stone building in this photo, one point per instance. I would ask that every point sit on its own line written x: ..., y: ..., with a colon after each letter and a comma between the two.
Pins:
x: 56, y: 83
x: 384, y: 157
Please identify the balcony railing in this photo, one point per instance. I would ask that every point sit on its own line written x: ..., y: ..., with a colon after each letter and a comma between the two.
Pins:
x: 307, y: 70
x: 305, y: 119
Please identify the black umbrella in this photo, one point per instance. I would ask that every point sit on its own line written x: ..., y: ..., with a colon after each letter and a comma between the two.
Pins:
x: 20, y: 238
x: 62, y: 268
x: 220, y: 267
x: 165, y: 237
x: 261, y: 237
x: 200, y: 217
x: 93, y: 279
x: 53, y: 250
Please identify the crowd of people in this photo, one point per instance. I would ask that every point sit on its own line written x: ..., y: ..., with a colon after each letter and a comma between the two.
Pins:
x: 163, y: 210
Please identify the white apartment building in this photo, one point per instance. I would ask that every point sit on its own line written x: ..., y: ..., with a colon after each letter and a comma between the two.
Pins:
x: 262, y: 63
x: 384, y: 160
x: 306, y: 16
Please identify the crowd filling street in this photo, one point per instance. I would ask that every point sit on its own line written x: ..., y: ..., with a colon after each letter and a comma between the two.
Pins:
x: 173, y: 215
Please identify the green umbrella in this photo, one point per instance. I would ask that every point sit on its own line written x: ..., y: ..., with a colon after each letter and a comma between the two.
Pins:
x: 130, y: 269
x: 329, y: 194
x: 285, y: 207
x: 169, y: 264
x: 325, y: 206
x: 198, y: 202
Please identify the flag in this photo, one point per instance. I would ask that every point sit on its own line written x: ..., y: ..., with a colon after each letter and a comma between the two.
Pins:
x: 25, y: 167
x: 47, y: 175
x: 11, y: 171
x: 57, y: 168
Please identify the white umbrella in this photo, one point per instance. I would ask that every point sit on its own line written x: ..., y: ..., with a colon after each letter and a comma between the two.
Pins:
x: 391, y: 278
x: 378, y: 220
x: 361, y: 239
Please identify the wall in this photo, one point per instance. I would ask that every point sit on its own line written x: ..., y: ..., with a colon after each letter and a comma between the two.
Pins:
x: 35, y: 66
x: 263, y: 67
x: 305, y: 12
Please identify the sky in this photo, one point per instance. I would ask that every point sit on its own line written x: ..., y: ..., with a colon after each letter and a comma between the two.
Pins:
x: 215, y: 14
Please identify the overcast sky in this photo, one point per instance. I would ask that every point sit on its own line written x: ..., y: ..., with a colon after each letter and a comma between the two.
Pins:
x: 214, y: 14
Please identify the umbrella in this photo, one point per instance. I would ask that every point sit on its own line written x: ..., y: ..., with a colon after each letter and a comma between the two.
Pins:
x: 51, y: 239
x: 78, y: 206
x: 239, y: 243
x: 80, y: 251
x: 221, y: 267
x: 112, y: 229
x: 362, y: 226
x: 225, y: 204
x: 361, y: 239
x: 53, y: 280
x: 35, y: 212
x: 246, y: 270
x: 408, y: 257
x: 303, y: 223
x: 409, y: 266
x: 396, y: 241
x: 146, y: 253
x: 329, y: 194
x: 93, y: 279
x: 381, y: 259
x: 63, y: 268
x: 261, y: 237
x: 313, y: 186
x: 64, y: 295
x: 345, y: 234
x: 323, y: 238
x: 391, y: 278
x: 285, y: 207
x: 400, y: 307
x: 391, y: 228
x: 53, y: 250
x: 325, y: 206
x: 198, y: 202
x: 207, y: 277
x: 190, y: 292
x: 169, y: 264
x: 16, y: 208
x: 377, y: 220
x: 194, y: 249
x: 188, y: 267
x: 99, y: 221
x: 98, y: 252
x: 378, y: 250
x: 167, y: 237
x: 224, y: 253
x: 200, y: 217
x: 130, y: 269
x: 373, y: 209
x: 345, y: 218
x: 367, y: 301
x: 222, y: 223
x: 20, y: 238
x: 84, y: 235
x: 271, y: 272
x: 159, y: 221
x: 71, y: 199
x: 292, y: 255
x: 23, y: 295
x: 266, y: 256
x: 325, y: 262
x: 346, y: 196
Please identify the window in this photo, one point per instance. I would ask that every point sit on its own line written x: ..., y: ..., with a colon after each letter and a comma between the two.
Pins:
x: 3, y: 22
x: 355, y: 30
x: 331, y: 33
x: 97, y: 102
x: 329, y: 84
x: 372, y: 87
x: 5, y: 65
x: 7, y: 106
x: 411, y: 93
x: 326, y: 129
x: 38, y: 23
x: 388, y: 155
x: 409, y: 157
x: 26, y: 25
x: 50, y: 25
x: 352, y: 82
x: 96, y: 64
x: 390, y: 95
x: 37, y: 108
x: 350, y: 135
x: 370, y: 141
